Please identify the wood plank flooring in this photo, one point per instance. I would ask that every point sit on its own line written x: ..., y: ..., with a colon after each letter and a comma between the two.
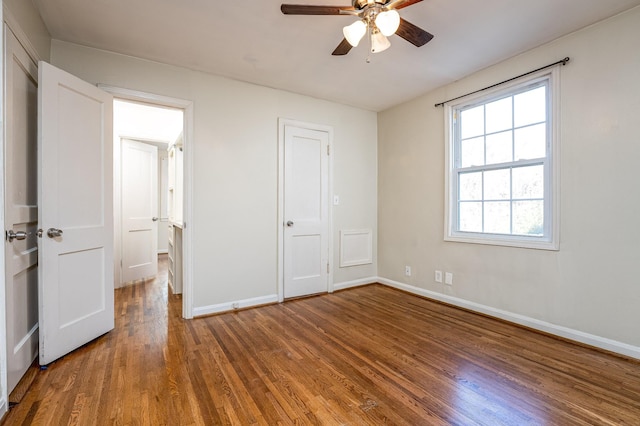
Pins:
x: 366, y: 356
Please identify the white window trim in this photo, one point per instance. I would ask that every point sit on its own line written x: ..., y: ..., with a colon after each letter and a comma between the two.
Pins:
x: 552, y: 203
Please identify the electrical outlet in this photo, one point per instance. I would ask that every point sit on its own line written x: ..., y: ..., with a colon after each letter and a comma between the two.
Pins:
x: 448, y: 278
x: 407, y: 271
x: 336, y: 200
x: 438, y: 276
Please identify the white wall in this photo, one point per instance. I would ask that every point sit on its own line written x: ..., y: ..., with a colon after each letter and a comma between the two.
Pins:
x: 235, y: 167
x: 591, y: 285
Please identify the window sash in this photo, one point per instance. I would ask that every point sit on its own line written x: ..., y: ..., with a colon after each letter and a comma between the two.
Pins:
x: 455, y: 214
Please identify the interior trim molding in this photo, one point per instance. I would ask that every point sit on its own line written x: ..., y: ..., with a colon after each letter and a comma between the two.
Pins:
x: 355, y: 283
x: 604, y: 343
x: 546, y: 327
x: 231, y: 306
x: 349, y: 237
x: 22, y: 37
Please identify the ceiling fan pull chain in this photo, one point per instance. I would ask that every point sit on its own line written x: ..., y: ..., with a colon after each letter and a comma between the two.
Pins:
x: 370, y: 31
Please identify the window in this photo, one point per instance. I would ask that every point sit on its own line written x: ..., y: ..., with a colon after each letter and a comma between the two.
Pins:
x: 501, y: 179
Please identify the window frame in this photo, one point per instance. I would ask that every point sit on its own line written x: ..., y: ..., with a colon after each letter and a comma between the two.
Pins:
x: 550, y: 240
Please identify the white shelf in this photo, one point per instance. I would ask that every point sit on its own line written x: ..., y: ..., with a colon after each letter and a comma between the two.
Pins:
x: 174, y: 206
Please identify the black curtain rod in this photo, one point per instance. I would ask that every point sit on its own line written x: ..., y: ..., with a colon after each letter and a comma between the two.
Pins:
x: 563, y: 62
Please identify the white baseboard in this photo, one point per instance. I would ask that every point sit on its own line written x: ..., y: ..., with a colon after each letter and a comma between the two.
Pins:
x: 557, y: 330
x: 565, y: 332
x: 238, y: 304
x: 355, y: 283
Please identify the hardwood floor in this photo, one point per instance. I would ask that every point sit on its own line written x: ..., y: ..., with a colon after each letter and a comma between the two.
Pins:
x: 371, y: 355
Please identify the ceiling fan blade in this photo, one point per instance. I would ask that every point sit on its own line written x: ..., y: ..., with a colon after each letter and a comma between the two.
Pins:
x: 343, y: 48
x: 399, y: 4
x: 304, y: 9
x: 414, y: 35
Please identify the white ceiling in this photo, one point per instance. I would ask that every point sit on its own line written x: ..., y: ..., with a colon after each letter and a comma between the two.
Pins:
x: 251, y: 40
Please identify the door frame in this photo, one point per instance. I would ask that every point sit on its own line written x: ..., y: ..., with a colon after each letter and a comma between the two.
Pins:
x: 282, y: 124
x: 187, y: 107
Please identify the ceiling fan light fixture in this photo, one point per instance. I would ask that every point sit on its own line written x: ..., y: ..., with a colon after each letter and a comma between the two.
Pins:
x: 354, y: 32
x: 388, y: 22
x: 379, y: 42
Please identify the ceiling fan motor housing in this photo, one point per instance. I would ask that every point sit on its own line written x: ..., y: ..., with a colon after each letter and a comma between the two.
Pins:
x: 361, y: 4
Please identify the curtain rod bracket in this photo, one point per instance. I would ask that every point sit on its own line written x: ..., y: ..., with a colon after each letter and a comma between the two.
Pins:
x: 561, y: 62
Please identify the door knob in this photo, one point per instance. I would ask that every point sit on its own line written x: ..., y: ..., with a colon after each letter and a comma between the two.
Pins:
x: 289, y: 223
x: 54, y: 232
x: 10, y: 235
x: 155, y: 219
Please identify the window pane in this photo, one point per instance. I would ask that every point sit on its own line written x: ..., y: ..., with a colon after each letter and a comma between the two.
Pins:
x: 471, y: 217
x: 499, y: 115
x: 497, y: 184
x: 531, y: 142
x: 472, y: 152
x: 528, y: 217
x: 530, y: 107
x: 499, y: 148
x: 470, y: 186
x: 528, y: 182
x: 497, y: 217
x: 472, y: 122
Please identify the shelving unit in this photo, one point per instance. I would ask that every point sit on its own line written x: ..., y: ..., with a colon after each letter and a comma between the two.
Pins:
x: 174, y: 205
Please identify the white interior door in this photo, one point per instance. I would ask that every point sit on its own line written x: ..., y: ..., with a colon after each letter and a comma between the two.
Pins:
x: 20, y: 209
x: 306, y: 211
x: 75, y: 196
x: 139, y: 210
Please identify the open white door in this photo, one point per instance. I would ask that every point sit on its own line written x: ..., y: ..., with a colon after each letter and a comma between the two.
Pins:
x: 75, y: 195
x: 306, y: 211
x: 139, y: 210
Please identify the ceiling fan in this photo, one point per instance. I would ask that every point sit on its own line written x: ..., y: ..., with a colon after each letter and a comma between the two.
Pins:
x: 378, y: 19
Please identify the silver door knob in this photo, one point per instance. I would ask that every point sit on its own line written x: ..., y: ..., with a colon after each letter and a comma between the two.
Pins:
x: 54, y: 232
x: 155, y: 219
x: 10, y: 235
x: 289, y: 223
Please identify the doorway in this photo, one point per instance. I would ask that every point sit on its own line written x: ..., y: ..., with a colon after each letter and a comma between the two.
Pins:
x: 164, y: 123
x: 305, y: 212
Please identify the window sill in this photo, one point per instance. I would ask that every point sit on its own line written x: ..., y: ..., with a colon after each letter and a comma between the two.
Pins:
x: 504, y: 240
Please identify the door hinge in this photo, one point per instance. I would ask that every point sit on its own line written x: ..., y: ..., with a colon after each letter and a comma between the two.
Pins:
x: 328, y: 149
x: 327, y: 267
